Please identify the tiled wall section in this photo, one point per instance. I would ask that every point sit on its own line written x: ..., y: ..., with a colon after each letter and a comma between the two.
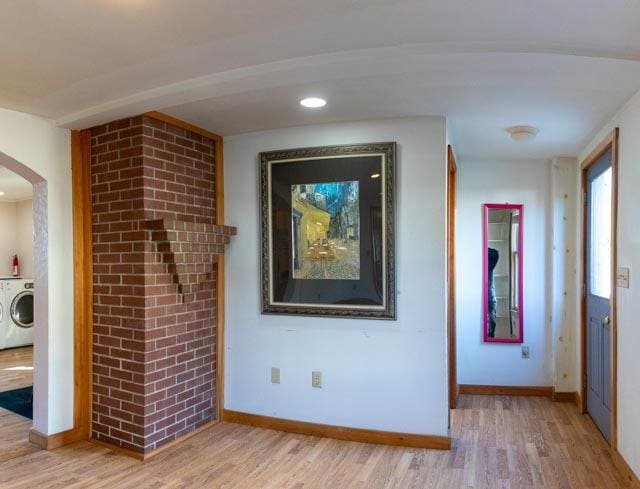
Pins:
x: 155, y: 248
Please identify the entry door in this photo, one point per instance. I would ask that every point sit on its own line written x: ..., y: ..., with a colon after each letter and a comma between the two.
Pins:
x: 599, y: 256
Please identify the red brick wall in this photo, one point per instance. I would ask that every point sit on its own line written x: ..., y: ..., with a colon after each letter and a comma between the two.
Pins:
x: 179, y: 177
x: 155, y: 248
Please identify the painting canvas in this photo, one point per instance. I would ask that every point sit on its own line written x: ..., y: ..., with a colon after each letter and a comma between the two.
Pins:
x: 326, y: 231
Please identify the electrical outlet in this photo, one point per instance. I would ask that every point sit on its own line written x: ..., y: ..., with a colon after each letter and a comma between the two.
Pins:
x: 316, y: 380
x: 525, y: 352
x: 275, y: 375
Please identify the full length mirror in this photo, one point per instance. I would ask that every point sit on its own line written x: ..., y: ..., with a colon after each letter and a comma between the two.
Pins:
x: 503, y: 273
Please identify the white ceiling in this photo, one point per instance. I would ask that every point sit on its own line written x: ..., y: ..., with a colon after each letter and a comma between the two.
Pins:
x: 240, y: 65
x: 15, y: 187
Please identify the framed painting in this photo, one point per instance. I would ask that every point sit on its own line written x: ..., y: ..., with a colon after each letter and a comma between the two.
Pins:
x: 327, y: 219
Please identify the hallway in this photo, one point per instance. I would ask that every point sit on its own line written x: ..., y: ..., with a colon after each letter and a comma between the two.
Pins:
x: 508, y: 442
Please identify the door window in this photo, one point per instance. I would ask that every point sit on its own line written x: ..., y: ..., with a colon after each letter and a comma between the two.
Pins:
x: 600, y: 226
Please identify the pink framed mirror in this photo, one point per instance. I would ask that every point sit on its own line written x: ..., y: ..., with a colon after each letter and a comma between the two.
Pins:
x: 503, y: 253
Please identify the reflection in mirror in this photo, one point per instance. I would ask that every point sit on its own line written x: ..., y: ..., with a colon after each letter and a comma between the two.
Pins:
x: 503, y: 224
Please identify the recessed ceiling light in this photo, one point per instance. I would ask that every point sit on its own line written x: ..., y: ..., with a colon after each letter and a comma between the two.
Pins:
x: 523, y: 133
x: 313, y: 102
x: 1, y: 193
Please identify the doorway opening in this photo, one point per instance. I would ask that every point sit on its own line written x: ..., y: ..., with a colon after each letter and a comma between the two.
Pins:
x: 23, y: 305
x: 599, y: 263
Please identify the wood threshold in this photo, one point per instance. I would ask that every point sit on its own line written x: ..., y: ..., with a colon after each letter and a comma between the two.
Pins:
x: 610, y: 141
x: 51, y: 442
x: 339, y: 432
x: 564, y: 396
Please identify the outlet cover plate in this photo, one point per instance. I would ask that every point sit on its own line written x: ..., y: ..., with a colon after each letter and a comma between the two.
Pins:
x: 275, y: 375
x: 316, y: 380
x: 525, y: 352
x: 622, y: 277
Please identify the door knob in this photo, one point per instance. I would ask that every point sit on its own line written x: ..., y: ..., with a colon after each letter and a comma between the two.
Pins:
x: 606, y: 321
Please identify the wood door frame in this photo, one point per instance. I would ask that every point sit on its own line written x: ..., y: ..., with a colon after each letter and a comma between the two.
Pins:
x: 452, y: 195
x: 82, y: 282
x: 610, y: 142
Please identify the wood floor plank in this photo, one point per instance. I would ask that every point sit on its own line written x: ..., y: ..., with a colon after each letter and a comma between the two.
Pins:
x: 16, y: 371
x: 498, y: 442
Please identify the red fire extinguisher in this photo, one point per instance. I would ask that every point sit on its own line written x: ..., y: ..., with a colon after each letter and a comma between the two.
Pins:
x: 16, y: 264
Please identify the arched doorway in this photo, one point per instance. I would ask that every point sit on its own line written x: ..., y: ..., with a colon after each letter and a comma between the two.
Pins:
x: 37, y: 285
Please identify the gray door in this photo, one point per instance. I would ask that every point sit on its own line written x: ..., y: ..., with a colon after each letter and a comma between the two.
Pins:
x: 598, y: 281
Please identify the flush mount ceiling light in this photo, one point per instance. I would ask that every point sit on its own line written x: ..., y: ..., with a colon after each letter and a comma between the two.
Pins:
x: 313, y: 102
x: 523, y: 133
x: 1, y: 193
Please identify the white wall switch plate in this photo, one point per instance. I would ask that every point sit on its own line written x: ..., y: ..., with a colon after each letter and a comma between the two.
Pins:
x: 622, y: 277
x: 525, y: 352
x: 275, y: 375
x: 316, y: 379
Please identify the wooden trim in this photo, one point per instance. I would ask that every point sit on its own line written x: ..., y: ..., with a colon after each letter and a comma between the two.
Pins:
x: 219, y: 192
x: 579, y: 401
x: 51, y: 442
x: 506, y: 390
x: 610, y: 141
x: 219, y: 202
x: 82, y: 282
x: 184, y: 125
x: 339, y: 432
x: 614, y: 289
x: 623, y: 467
x: 516, y: 390
x: 452, y: 191
x: 563, y: 396
x: 600, y: 149
x: 452, y: 164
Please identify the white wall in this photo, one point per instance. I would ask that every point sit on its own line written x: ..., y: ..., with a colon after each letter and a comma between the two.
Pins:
x: 515, y: 182
x: 16, y: 237
x: 24, y: 237
x: 386, y: 375
x: 43, y: 155
x: 628, y: 120
x: 7, y: 239
x: 563, y: 301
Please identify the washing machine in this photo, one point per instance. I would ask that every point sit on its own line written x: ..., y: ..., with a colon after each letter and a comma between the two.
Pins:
x: 18, y: 312
x: 3, y: 316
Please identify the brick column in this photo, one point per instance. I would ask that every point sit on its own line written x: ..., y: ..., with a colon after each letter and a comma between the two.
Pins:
x: 155, y: 249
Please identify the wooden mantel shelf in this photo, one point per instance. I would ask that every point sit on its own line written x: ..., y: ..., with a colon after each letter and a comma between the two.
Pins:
x: 188, y: 252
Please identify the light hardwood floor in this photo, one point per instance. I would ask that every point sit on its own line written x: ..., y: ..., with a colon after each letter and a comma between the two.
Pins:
x: 499, y: 442
x: 15, y: 372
